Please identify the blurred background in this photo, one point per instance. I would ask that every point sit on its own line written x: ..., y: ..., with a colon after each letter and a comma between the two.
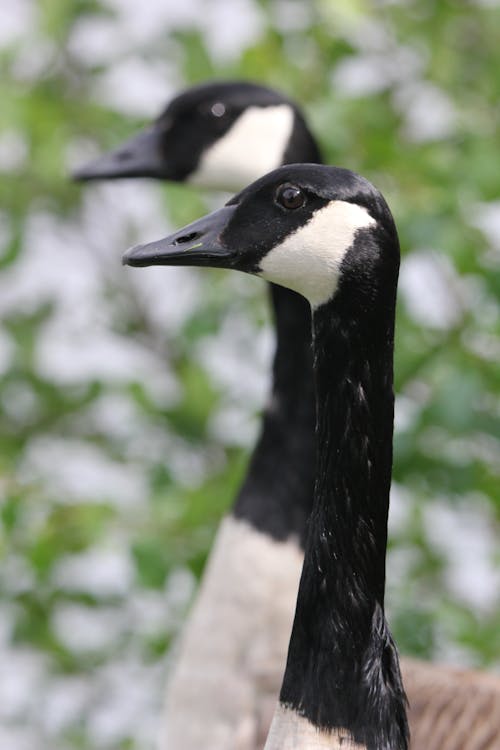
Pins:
x: 129, y: 399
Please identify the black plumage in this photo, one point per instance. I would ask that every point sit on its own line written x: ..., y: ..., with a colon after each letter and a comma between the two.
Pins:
x: 342, y: 670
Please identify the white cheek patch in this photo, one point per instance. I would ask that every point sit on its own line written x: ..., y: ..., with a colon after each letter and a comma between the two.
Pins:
x: 253, y: 146
x: 309, y: 260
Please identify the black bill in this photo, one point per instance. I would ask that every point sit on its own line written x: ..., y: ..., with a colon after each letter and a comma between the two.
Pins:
x: 140, y: 156
x: 198, y: 244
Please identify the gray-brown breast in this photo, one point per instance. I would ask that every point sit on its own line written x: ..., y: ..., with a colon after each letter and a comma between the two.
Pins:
x: 451, y: 709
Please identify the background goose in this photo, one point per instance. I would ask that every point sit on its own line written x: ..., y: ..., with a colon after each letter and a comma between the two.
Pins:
x: 212, y: 135
x: 224, y: 686
x: 329, y: 235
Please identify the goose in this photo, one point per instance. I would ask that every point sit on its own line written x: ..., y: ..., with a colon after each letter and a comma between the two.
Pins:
x: 223, y: 687
x: 328, y: 234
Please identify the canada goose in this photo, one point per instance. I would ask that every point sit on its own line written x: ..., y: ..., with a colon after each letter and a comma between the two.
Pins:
x: 328, y: 234
x: 217, y: 135
x: 245, y: 652
x: 223, y: 687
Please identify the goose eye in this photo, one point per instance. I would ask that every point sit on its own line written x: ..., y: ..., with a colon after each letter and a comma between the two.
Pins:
x: 290, y: 196
x: 218, y: 109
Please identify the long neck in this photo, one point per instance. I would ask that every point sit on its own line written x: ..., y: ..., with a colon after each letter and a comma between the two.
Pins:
x: 276, y: 496
x: 342, y: 671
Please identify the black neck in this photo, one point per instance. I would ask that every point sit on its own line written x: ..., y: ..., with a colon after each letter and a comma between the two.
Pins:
x: 276, y: 496
x: 342, y: 669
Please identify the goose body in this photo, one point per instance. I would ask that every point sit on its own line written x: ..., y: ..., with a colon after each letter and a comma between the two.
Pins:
x: 328, y: 234
x: 452, y: 709
x: 227, y: 648
x: 224, y: 685
x: 213, y: 136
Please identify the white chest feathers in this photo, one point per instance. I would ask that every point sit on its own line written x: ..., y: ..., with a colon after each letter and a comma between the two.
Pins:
x: 293, y: 732
x: 225, y: 685
x: 254, y: 145
x: 308, y: 261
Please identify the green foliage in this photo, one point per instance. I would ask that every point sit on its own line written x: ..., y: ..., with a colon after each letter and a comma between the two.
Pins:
x: 407, y: 94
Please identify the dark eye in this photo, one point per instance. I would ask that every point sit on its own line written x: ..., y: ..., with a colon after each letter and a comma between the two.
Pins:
x: 290, y: 196
x: 218, y: 109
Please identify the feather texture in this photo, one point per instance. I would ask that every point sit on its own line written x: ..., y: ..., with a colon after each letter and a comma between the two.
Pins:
x: 450, y: 708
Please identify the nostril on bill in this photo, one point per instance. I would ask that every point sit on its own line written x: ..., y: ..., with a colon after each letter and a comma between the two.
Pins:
x: 187, y: 238
x: 124, y: 155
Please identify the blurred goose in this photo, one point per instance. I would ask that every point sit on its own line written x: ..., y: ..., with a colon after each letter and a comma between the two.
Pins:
x: 223, y: 688
x: 328, y: 234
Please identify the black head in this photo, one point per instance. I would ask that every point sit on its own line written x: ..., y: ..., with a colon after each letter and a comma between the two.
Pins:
x: 217, y: 135
x: 307, y: 227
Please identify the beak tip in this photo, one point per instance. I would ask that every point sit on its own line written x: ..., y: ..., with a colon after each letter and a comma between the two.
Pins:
x: 128, y: 255
x: 86, y: 172
x: 77, y: 175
